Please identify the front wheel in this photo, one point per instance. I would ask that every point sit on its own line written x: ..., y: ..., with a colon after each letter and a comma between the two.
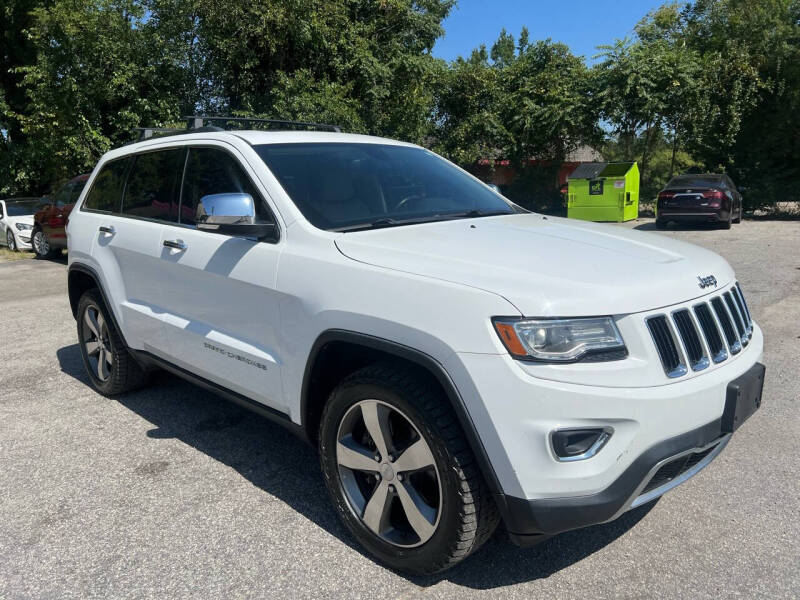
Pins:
x: 11, y: 241
x: 400, y: 472
x: 41, y: 244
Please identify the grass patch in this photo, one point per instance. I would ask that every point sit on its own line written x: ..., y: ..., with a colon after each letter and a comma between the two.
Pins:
x: 7, y: 255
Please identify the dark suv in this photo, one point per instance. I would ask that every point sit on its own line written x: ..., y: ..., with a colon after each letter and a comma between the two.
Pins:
x: 49, y: 235
x: 703, y: 198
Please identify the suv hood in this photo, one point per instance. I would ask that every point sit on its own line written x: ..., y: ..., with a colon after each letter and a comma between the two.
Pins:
x: 546, y: 266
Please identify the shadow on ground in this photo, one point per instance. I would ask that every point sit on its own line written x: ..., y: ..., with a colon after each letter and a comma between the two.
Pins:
x: 285, y: 467
x: 651, y: 226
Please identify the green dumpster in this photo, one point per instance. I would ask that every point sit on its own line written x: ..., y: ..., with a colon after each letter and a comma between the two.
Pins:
x: 603, y: 192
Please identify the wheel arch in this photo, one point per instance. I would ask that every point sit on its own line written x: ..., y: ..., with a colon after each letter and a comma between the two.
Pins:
x: 336, y: 353
x: 81, y: 278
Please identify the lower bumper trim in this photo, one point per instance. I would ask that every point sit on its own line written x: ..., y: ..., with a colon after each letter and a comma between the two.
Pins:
x: 531, y: 519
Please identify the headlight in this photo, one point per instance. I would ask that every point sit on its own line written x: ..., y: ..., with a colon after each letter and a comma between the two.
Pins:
x: 561, y: 340
x: 23, y: 226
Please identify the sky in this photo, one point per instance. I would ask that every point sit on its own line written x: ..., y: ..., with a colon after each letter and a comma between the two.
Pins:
x: 581, y: 24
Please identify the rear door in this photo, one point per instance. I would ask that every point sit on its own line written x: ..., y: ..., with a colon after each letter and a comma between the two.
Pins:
x: 131, y: 200
x: 219, y: 292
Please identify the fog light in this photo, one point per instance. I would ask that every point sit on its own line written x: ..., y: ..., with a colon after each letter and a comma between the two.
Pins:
x: 579, y: 443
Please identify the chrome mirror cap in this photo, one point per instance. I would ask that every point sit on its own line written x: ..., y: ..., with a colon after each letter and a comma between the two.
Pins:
x: 226, y: 209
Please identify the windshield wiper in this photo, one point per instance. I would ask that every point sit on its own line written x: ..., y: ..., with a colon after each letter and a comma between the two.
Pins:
x: 474, y: 214
x: 389, y: 222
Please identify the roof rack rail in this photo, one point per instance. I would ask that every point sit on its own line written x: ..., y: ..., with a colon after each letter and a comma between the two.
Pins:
x: 196, y: 122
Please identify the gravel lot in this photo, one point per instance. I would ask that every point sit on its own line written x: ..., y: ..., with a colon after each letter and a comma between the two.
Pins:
x: 171, y: 492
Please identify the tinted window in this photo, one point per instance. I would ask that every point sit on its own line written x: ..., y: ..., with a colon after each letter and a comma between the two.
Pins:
x: 63, y: 195
x: 211, y: 171
x: 18, y: 209
x: 341, y: 185
x: 106, y: 192
x: 152, y: 189
x: 698, y: 181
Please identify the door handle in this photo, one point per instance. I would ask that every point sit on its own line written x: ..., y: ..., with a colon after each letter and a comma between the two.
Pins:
x: 109, y: 229
x: 176, y: 244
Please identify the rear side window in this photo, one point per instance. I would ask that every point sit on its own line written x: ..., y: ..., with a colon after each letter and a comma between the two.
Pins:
x: 106, y: 192
x: 153, y: 183
x: 211, y: 171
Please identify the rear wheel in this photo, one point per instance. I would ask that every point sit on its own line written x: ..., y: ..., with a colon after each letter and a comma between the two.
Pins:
x: 727, y: 224
x: 11, y: 241
x: 41, y: 244
x: 111, y: 368
x: 400, y: 472
x: 738, y: 218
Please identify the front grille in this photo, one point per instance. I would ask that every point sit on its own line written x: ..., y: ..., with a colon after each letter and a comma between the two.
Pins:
x: 712, y: 331
x: 675, y: 468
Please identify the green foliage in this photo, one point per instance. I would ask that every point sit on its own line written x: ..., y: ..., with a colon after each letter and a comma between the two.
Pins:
x: 713, y: 84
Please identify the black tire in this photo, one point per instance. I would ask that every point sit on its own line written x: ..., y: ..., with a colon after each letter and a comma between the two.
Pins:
x: 661, y: 224
x: 123, y: 373
x: 727, y: 224
x: 41, y: 244
x: 11, y: 241
x: 738, y: 218
x: 467, y: 514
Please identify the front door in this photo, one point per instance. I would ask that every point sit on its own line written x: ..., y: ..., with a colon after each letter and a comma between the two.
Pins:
x: 219, y: 292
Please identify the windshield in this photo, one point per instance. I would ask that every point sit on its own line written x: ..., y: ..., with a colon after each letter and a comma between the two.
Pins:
x: 341, y: 187
x: 20, y: 209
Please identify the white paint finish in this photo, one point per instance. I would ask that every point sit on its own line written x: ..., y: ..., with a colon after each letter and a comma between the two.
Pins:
x: 431, y: 287
x: 546, y: 266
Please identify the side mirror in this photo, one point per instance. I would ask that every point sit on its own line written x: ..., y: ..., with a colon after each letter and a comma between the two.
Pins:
x: 231, y: 214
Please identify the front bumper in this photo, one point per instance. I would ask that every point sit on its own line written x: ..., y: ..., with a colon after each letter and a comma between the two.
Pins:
x: 653, y: 426
x: 530, y: 521
x: 23, y: 239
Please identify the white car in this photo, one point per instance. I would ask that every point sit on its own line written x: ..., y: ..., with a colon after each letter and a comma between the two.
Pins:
x: 16, y: 222
x: 457, y: 361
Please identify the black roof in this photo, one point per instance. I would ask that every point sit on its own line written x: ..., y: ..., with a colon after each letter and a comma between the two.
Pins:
x: 593, y: 170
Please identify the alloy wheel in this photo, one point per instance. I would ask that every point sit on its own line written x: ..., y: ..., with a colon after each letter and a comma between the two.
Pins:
x: 10, y: 241
x: 388, y: 473
x: 40, y: 243
x: 95, y: 340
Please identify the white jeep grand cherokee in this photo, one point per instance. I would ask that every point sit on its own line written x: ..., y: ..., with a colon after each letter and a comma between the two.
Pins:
x: 457, y: 360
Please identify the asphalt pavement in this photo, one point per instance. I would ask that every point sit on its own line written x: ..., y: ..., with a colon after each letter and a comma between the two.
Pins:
x: 170, y: 492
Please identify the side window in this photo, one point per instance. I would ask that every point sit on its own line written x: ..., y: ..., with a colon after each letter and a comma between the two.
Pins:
x: 152, y: 189
x: 106, y: 192
x: 63, y: 195
x: 212, y: 171
x: 77, y: 188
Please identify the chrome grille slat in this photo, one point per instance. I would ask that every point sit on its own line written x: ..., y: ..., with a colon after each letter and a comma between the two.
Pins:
x: 692, y: 346
x: 744, y: 303
x: 667, y: 346
x: 709, y: 331
x: 724, y: 318
x: 737, y: 318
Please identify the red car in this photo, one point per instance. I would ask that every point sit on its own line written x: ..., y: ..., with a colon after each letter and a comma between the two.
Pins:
x: 49, y: 235
x: 703, y: 198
